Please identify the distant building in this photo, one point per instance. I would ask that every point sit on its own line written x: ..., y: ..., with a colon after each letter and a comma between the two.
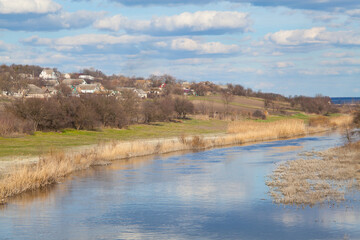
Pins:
x: 66, y: 76
x: 51, y: 83
x: 33, y: 91
x: 87, y: 77
x: 89, y: 88
x: 141, y: 93
x: 73, y: 82
x: 48, y: 73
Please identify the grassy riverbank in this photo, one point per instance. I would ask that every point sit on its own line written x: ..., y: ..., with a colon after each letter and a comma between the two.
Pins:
x: 58, y: 164
x: 42, y: 142
x: 326, y: 177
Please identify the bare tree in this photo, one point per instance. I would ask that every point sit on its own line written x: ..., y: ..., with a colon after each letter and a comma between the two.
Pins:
x: 226, y: 97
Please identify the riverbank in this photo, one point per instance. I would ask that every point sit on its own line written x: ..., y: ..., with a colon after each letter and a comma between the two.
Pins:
x: 56, y: 165
x: 326, y: 177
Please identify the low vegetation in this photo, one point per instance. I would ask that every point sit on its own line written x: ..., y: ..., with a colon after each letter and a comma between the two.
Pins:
x: 326, y: 177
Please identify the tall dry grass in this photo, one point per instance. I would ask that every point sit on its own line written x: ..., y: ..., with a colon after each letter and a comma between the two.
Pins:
x: 324, y: 179
x: 267, y: 130
x: 342, y: 121
x: 338, y: 121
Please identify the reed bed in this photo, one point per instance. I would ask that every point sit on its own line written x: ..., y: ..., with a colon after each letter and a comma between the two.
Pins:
x: 325, y: 178
x: 342, y: 121
x: 57, y: 165
x: 268, y: 130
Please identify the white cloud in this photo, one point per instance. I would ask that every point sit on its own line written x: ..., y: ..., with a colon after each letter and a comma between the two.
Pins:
x: 353, y: 12
x: 209, y: 22
x: 78, y: 41
x: 264, y: 85
x: 51, y: 22
x: 284, y: 64
x: 293, y: 4
x: 28, y: 6
x: 345, y: 61
x: 4, y: 46
x: 187, y: 44
x: 316, y: 35
x: 338, y: 54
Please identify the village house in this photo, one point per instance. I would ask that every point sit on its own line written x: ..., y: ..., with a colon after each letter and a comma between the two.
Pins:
x: 73, y: 82
x: 90, y: 88
x: 48, y: 73
x: 34, y: 91
x: 51, y: 83
x: 87, y: 77
x: 185, y: 85
x: 66, y: 76
x: 139, y: 92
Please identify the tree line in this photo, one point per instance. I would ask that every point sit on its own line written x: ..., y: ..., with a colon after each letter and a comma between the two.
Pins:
x: 89, y: 112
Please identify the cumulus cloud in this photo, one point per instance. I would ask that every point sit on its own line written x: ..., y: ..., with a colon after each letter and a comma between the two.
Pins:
x: 303, y: 4
x: 187, y: 44
x: 201, y: 22
x: 86, y: 42
x: 316, y: 35
x: 28, y: 6
x: 353, y: 13
x: 343, y: 62
x: 49, y: 22
x: 284, y: 64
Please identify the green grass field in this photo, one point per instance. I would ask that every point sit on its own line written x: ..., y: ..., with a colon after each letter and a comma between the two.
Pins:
x: 42, y: 142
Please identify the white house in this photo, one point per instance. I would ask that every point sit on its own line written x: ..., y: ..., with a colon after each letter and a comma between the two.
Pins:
x: 89, y: 88
x: 141, y: 93
x: 66, y: 76
x: 48, y: 73
x: 87, y: 77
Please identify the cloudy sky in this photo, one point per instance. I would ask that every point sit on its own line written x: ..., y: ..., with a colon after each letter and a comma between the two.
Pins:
x: 285, y: 46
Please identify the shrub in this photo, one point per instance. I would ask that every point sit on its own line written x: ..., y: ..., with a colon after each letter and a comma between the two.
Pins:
x: 357, y: 118
x: 10, y: 125
x: 183, y: 106
x: 259, y: 114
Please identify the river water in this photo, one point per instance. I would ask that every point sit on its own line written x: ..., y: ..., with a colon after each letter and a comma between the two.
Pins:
x: 214, y: 194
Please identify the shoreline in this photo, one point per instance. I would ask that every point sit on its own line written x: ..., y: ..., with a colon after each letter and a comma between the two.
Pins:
x: 51, y: 168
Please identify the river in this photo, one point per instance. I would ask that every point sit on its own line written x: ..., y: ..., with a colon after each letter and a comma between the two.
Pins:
x: 213, y: 194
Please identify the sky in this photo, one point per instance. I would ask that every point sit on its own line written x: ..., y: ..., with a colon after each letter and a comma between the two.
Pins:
x: 290, y: 47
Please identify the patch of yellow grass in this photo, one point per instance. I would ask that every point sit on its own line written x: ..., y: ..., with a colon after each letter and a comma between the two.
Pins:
x: 341, y: 121
x: 318, y: 180
x: 268, y: 130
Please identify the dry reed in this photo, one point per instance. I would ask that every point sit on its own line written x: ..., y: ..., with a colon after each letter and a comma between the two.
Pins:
x: 324, y: 179
x: 268, y: 130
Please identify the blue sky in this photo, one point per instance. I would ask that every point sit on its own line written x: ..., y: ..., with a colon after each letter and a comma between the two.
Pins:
x: 286, y: 46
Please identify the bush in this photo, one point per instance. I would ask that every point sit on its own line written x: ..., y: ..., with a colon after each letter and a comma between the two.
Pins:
x: 357, y: 118
x: 183, y: 106
x: 259, y: 114
x: 10, y: 125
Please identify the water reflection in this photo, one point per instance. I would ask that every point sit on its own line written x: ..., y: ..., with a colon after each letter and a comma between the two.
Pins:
x: 216, y: 194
